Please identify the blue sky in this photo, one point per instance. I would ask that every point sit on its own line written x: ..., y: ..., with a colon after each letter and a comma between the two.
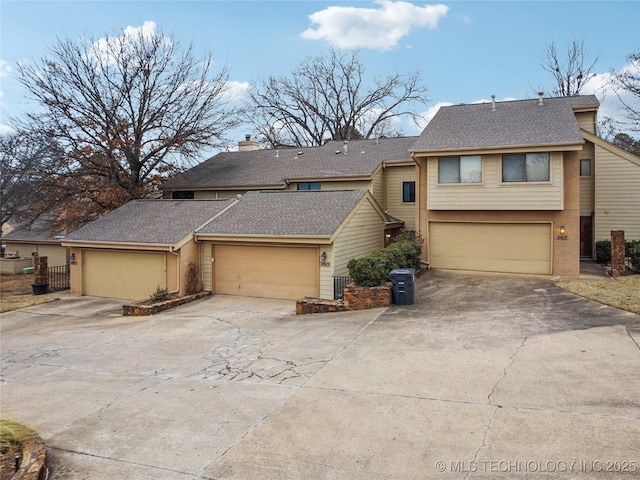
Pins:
x: 466, y: 50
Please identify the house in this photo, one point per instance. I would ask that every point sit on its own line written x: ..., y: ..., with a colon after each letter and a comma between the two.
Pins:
x: 143, y: 245
x: 521, y: 186
x: 382, y: 166
x: 518, y: 186
x: 28, y: 240
x: 274, y: 244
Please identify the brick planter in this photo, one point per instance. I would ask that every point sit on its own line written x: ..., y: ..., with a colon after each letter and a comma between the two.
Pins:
x: 143, y: 309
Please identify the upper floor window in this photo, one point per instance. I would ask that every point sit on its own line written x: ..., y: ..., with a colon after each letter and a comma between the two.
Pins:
x: 183, y: 195
x: 309, y: 186
x: 408, y: 192
x: 585, y: 167
x: 465, y: 169
x: 529, y: 167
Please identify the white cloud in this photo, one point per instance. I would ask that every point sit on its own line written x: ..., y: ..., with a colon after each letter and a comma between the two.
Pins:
x: 5, y: 129
x: 378, y: 29
x: 237, y: 91
x: 5, y: 68
x: 107, y: 48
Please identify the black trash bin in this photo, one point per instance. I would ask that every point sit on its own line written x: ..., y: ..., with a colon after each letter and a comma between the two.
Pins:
x: 402, y: 280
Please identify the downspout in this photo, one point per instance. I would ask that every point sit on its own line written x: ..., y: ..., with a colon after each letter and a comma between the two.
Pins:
x: 178, y: 276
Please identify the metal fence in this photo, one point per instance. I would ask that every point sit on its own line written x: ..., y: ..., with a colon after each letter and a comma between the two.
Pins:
x: 338, y: 286
x: 59, y: 278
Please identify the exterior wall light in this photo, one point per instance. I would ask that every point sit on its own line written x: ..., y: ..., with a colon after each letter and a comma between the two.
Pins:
x: 323, y: 257
x: 72, y: 257
x: 562, y: 230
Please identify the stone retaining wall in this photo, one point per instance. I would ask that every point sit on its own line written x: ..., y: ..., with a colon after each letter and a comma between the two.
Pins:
x: 355, y: 298
x: 142, y: 309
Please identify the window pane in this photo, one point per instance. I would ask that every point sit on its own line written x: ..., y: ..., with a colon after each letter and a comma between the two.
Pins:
x: 513, y: 168
x: 408, y: 191
x: 471, y: 169
x: 537, y: 167
x: 585, y: 168
x: 449, y: 170
x: 309, y: 186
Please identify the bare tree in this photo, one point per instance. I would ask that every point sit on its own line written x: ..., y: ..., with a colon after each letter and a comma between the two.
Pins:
x: 571, y: 73
x: 327, y: 97
x: 626, y: 84
x: 24, y: 160
x: 126, y: 109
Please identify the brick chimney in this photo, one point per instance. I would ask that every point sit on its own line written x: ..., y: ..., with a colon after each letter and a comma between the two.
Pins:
x: 248, y: 145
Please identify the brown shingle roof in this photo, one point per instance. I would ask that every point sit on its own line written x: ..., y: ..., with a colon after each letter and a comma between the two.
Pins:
x: 162, y: 222
x: 286, y: 213
x: 519, y: 123
x: 274, y: 167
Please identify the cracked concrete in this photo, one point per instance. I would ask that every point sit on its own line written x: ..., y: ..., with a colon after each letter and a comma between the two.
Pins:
x: 484, y: 376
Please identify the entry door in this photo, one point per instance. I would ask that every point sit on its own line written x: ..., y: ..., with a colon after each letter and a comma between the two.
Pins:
x: 586, y: 237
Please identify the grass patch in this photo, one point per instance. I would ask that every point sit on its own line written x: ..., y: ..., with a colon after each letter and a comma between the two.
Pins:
x: 622, y: 293
x: 16, y: 292
x: 12, y: 436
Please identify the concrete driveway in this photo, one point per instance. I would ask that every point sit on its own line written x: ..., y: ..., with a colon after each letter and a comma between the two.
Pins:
x: 484, y: 376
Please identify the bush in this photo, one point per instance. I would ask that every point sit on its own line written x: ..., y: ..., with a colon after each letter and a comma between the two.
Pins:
x: 160, y: 295
x: 633, y: 252
x: 374, y: 269
x: 367, y: 271
x: 603, y: 251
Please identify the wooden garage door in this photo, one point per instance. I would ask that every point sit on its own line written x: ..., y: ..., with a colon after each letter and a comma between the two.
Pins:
x: 127, y: 275
x: 491, y: 247
x: 269, y: 272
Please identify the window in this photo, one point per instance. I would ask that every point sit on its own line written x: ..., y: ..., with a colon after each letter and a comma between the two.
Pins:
x: 466, y: 169
x: 183, y: 195
x: 585, y: 167
x: 408, y: 192
x: 530, y: 167
x: 309, y: 186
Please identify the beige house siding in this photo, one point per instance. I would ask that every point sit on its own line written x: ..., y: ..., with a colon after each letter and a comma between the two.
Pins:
x: 326, y: 272
x: 362, y: 234
x: 492, y: 194
x: 617, y: 195
x: 378, y: 186
x: 587, y: 121
x: 56, y: 254
x: 393, y: 202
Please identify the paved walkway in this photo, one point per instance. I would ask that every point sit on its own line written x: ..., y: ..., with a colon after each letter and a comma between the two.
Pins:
x: 485, y: 376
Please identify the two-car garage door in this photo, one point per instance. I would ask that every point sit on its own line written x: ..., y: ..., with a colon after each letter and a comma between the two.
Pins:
x: 265, y: 271
x: 491, y: 247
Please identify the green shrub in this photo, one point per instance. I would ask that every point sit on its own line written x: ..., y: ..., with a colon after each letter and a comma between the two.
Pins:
x: 603, y: 251
x: 633, y: 252
x: 159, y: 295
x: 367, y: 271
x: 374, y: 269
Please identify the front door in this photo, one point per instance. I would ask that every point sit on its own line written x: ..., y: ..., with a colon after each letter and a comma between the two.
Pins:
x: 586, y: 244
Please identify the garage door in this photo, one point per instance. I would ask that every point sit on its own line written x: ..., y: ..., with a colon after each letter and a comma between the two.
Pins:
x: 491, y: 247
x: 269, y: 272
x: 128, y: 275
